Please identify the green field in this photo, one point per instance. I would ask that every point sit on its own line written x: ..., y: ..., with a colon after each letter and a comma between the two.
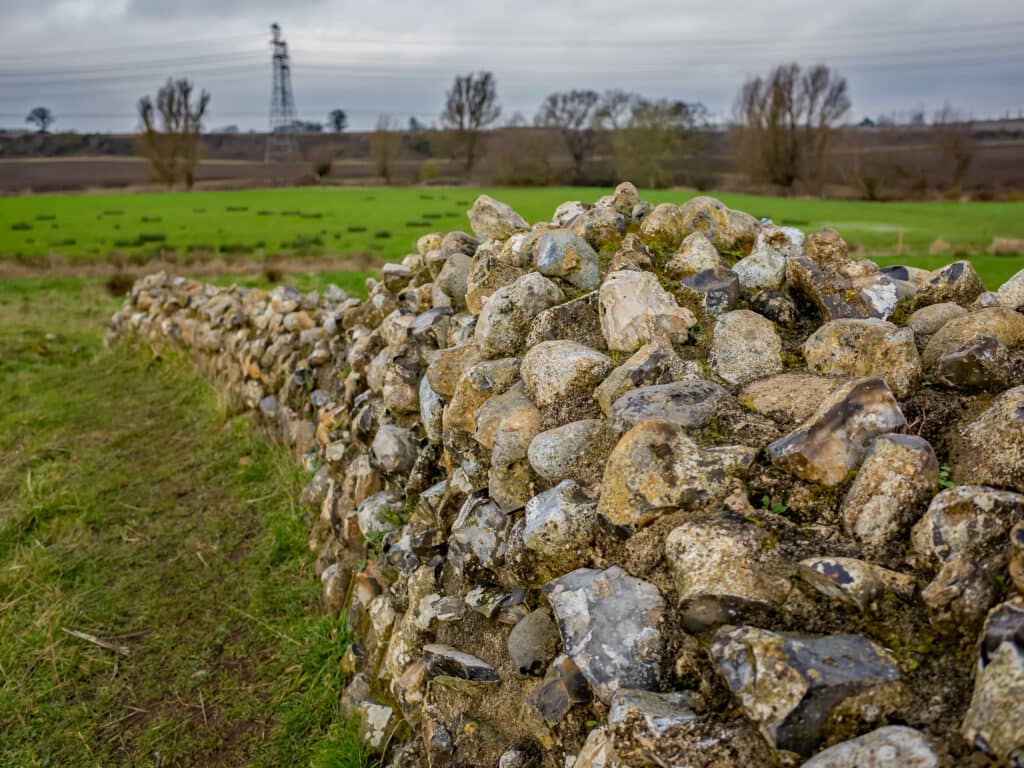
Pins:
x: 384, y: 223
x: 137, y: 509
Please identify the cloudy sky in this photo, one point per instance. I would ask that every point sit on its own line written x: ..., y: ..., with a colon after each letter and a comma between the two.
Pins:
x: 90, y: 60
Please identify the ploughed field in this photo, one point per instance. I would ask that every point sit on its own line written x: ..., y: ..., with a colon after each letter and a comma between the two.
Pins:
x: 380, y: 224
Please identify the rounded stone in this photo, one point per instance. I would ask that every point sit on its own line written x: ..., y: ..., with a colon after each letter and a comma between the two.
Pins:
x: 554, y: 371
x: 745, y: 347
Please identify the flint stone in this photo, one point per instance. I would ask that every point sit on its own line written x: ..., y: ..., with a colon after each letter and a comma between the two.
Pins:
x: 732, y: 232
x: 533, y: 641
x: 838, y: 286
x: 689, y: 404
x: 488, y: 272
x: 559, y: 524
x: 833, y: 442
x: 696, y: 254
x: 744, y: 347
x: 994, y: 721
x: 508, y: 312
x: 491, y: 219
x: 448, y: 365
x: 632, y: 254
x: 596, y: 752
x: 893, y: 745
x: 453, y: 278
x: 1004, y: 324
x: 960, y: 594
x: 563, y: 686
x: 662, y: 228
x: 564, y: 254
x: 790, y: 684
x: 656, y: 468
x: 1011, y: 293
x: 792, y: 396
x: 957, y: 283
x: 928, y: 320
x: 479, y: 538
x: 968, y: 519
x: 855, y: 582
x: 394, y: 449
x: 479, y: 382
x: 574, y: 451
x: 993, y: 445
x: 568, y: 211
x: 431, y: 409
x: 377, y: 513
x: 718, y: 287
x: 506, y: 424
x: 899, y: 473
x: 610, y: 626
x: 636, y: 310
x: 519, y: 757
x: 577, y: 320
x: 765, y: 267
x: 1016, y: 566
x: 601, y: 227
x: 982, y: 364
x: 869, y: 347
x: 657, y: 729
x: 445, y: 661
x: 555, y: 371
x: 776, y: 306
x: 715, y: 562
x: 655, y: 363
x: 396, y: 276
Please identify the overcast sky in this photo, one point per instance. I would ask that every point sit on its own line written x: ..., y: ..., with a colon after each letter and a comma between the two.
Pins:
x: 90, y: 60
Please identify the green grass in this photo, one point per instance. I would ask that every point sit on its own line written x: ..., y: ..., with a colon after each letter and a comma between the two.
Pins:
x: 135, y: 507
x: 313, y: 221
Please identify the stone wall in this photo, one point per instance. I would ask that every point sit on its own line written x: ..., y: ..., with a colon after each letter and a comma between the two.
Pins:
x: 645, y: 486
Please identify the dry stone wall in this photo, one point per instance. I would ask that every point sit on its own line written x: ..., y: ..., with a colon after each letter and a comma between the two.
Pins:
x: 650, y: 486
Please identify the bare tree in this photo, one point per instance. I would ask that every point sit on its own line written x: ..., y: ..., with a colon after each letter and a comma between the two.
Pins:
x: 470, y: 107
x: 338, y: 120
x: 785, y: 122
x: 573, y: 114
x: 613, y: 111
x: 656, y: 133
x: 41, y: 117
x: 954, y: 137
x: 384, y: 145
x: 169, y: 132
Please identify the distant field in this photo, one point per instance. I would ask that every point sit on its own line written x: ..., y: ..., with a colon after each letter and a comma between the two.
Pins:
x: 385, y: 222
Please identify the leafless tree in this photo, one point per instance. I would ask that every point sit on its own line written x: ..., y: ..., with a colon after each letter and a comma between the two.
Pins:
x: 573, y: 114
x: 470, y: 107
x: 655, y: 134
x: 169, y: 131
x: 786, y: 121
x: 385, y: 142
x: 614, y: 108
x: 41, y: 117
x: 954, y: 138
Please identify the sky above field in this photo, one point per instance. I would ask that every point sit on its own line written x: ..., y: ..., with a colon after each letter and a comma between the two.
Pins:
x: 90, y: 60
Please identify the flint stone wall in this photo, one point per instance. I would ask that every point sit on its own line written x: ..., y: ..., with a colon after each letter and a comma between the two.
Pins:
x: 649, y: 486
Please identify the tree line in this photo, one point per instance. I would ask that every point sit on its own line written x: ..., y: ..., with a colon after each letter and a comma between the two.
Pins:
x: 783, y: 125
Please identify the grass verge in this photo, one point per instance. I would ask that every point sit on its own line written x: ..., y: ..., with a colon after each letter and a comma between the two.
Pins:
x: 136, y: 509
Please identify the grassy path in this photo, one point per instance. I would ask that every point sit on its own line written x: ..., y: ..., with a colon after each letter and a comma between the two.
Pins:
x: 135, y: 510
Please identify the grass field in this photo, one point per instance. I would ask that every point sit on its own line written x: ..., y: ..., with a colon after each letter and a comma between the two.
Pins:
x: 136, y: 509
x: 384, y: 223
